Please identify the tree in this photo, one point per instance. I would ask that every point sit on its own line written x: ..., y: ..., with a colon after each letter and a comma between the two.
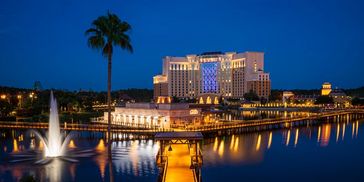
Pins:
x: 5, y: 108
x: 357, y: 101
x: 105, y: 33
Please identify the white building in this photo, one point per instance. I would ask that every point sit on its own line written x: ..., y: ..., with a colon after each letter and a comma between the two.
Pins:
x: 149, y: 115
x: 214, y: 74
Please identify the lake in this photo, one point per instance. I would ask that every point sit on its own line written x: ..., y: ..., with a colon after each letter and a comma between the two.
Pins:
x: 327, y: 151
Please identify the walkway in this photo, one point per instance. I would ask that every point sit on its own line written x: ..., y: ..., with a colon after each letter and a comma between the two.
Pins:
x: 179, y: 161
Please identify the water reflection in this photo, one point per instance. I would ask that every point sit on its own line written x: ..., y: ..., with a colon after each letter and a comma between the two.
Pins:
x: 296, y: 137
x: 270, y: 140
x: 135, y: 160
x: 325, y: 136
x: 15, y: 146
x: 251, y: 147
x: 101, y: 159
x: 135, y: 157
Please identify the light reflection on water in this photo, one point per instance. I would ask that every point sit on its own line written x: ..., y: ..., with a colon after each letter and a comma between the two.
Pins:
x: 135, y: 160
x: 250, y: 147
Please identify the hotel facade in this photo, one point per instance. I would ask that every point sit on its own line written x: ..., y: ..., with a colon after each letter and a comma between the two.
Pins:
x: 213, y: 75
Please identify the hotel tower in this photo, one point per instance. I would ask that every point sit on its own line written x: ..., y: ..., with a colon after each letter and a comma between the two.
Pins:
x: 212, y: 75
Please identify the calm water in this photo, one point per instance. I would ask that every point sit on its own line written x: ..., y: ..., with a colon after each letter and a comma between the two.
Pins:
x: 330, y: 151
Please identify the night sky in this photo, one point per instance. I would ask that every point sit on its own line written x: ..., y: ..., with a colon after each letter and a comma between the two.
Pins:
x: 306, y: 42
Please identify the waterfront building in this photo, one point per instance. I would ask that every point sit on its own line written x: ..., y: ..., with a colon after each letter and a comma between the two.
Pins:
x: 326, y: 88
x: 150, y: 115
x: 340, y: 98
x: 207, y: 77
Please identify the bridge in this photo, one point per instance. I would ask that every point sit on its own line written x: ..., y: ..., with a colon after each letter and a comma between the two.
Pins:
x: 179, y: 158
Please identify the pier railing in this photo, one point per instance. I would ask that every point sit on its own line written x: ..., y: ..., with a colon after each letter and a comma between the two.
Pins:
x: 162, y: 162
x: 98, y: 127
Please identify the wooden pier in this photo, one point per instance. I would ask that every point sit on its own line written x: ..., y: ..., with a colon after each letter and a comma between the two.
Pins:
x: 179, y: 158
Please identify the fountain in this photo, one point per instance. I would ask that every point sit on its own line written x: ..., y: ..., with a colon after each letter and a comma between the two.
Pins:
x: 54, y: 145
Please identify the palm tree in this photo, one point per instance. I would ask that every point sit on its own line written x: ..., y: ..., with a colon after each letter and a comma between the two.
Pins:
x: 106, y: 32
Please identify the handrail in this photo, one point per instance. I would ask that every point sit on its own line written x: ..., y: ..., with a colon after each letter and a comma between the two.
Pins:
x: 204, y: 128
x: 165, y: 169
x: 194, y: 174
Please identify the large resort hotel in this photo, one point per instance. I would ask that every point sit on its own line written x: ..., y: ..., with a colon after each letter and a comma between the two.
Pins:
x: 212, y: 76
x: 208, y: 78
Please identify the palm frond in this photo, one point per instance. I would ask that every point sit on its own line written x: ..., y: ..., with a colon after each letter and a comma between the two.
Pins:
x: 96, y: 42
x: 108, y: 31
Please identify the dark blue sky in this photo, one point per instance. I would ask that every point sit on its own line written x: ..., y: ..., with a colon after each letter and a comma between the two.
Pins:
x: 305, y: 42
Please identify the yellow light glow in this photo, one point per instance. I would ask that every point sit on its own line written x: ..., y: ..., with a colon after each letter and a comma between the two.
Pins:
x: 296, y: 138
x: 236, y: 145
x: 343, y: 134
x: 319, y: 134
x: 41, y: 145
x: 325, y: 137
x: 15, y: 146
x: 257, y: 147
x: 232, y: 142
x: 216, y: 101
x: 101, y: 146
x: 221, y: 148
x: 72, y: 144
x: 3, y: 96
x: 201, y: 101
x: 215, y: 145
x: 208, y: 100
x: 337, y: 132
x: 288, y: 137
x: 179, y: 162
x: 193, y: 111
x: 357, y: 128
x: 270, y: 140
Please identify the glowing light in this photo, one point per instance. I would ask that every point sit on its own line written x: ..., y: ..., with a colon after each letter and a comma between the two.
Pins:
x: 325, y: 137
x: 236, y: 145
x: 215, y: 145
x: 357, y: 128
x: 201, y: 101
x: 352, y: 130
x: 221, y: 148
x: 15, y: 146
x: 337, y: 132
x: 32, y: 143
x: 288, y: 137
x: 216, y: 101
x: 101, y: 146
x: 257, y: 147
x: 319, y: 134
x: 296, y: 138
x: 71, y: 144
x: 193, y: 111
x: 208, y: 100
x: 270, y: 140
x: 232, y: 142
x: 41, y: 145
x: 209, y: 77
x: 3, y: 96
x: 343, y: 135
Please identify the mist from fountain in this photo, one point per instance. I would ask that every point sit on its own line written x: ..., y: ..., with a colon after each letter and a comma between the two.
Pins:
x: 54, y: 145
